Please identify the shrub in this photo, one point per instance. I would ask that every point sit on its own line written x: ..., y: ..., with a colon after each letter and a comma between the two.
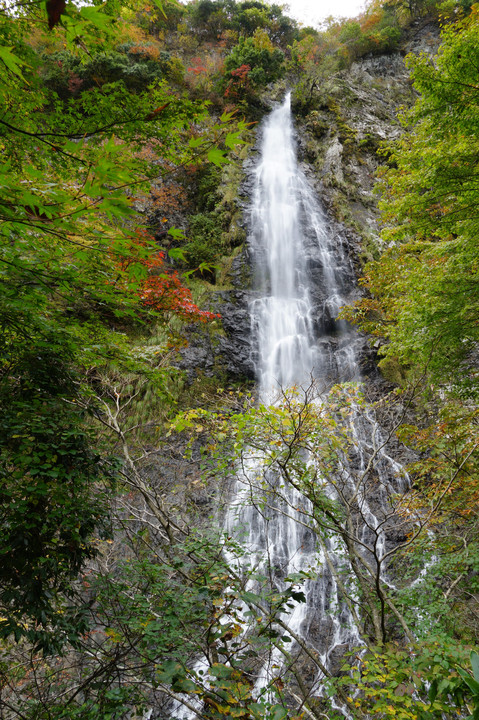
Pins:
x: 266, y: 63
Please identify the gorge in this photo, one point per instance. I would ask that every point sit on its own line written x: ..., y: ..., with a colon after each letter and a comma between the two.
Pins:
x: 238, y: 362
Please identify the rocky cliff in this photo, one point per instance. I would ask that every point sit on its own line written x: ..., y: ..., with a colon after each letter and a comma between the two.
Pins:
x: 342, y: 124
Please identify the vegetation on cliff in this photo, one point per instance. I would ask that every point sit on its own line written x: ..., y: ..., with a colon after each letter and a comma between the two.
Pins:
x: 422, y: 302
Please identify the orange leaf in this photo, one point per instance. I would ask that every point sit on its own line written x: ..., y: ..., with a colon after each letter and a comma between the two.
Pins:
x: 157, y: 111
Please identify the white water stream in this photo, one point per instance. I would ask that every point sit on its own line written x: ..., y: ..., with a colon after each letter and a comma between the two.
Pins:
x: 286, y: 225
x: 286, y: 221
x: 289, y: 234
x: 296, y: 341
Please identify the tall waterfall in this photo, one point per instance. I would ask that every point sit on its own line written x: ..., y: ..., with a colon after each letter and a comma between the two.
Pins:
x: 288, y: 235
x: 301, y: 271
x: 282, y: 322
x: 303, y: 275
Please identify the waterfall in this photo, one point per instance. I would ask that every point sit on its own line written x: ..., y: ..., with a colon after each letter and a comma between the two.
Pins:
x: 288, y: 226
x: 303, y: 275
x: 296, y: 338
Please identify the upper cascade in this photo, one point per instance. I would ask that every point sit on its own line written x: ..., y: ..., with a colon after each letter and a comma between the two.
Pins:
x: 288, y: 238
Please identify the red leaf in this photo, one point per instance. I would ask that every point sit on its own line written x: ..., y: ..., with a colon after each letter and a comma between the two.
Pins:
x: 162, y: 289
x: 55, y: 8
x: 156, y: 112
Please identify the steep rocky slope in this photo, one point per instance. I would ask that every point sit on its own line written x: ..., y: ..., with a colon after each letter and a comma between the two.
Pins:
x: 342, y: 122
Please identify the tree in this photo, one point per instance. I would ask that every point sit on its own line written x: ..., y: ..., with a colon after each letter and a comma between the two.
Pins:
x: 166, y: 617
x: 425, y: 681
x: 423, y: 302
x: 265, y: 61
x: 252, y: 63
x: 74, y: 281
x: 53, y: 500
x: 404, y: 566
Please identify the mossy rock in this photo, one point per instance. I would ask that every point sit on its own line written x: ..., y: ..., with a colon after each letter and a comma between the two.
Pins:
x: 392, y: 370
x: 318, y: 123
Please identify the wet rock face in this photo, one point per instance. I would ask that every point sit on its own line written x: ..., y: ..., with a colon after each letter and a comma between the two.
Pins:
x: 337, y: 145
x: 228, y: 352
x: 236, y: 348
x: 198, y: 355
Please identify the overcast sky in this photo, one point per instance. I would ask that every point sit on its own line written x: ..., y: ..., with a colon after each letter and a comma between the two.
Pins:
x: 313, y: 12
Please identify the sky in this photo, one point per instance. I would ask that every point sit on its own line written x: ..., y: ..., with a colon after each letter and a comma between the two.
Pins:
x: 314, y: 12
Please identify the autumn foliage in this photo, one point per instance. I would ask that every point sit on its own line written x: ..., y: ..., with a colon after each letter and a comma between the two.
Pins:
x: 161, y: 289
x: 239, y: 82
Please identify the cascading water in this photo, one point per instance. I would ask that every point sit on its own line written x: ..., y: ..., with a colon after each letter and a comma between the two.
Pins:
x: 287, y: 226
x: 292, y: 251
x: 297, y: 339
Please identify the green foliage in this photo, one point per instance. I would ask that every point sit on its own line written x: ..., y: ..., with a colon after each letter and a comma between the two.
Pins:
x: 301, y: 443
x: 103, y: 68
x: 137, y: 66
x: 443, y: 564
x: 78, y: 110
x: 153, y: 617
x: 206, y: 245
x: 266, y: 63
x: 378, y: 33
x: 72, y: 270
x: 207, y: 16
x: 472, y: 683
x: 421, y: 682
x: 53, y: 497
x: 167, y: 15
x: 212, y: 17
x: 207, y: 189
x: 210, y: 235
x: 52, y: 503
x: 425, y: 283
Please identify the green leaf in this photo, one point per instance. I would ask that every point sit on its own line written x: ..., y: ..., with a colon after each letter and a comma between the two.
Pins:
x: 170, y: 670
x: 177, y: 254
x: 96, y: 17
x: 159, y: 5
x: 472, y: 684
x: 184, y: 685
x: 217, y: 157
x: 12, y: 61
x: 176, y: 233
x: 251, y: 597
x: 226, y: 116
x: 475, y: 664
x: 233, y: 139
x: 278, y: 712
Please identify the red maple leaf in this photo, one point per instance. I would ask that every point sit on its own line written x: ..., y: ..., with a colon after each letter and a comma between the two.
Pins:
x: 55, y: 9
